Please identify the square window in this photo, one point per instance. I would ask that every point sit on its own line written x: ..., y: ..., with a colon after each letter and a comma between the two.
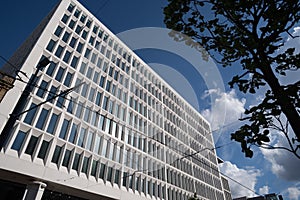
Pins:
x: 51, y: 45
x: 18, y: 141
x: 51, y: 69
x: 71, y: 7
x: 58, y: 31
x: 73, y: 42
x: 66, y: 37
x: 31, y: 145
x: 31, y: 114
x: 43, y: 150
x: 65, y: 18
x: 59, y: 51
x: 77, y: 13
x: 42, y: 119
x: 72, y: 24
x: 60, y: 74
x: 42, y: 89
x: 56, y: 154
x: 52, y: 123
x: 67, y: 56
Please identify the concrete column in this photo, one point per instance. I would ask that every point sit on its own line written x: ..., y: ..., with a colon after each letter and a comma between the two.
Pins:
x: 34, y: 191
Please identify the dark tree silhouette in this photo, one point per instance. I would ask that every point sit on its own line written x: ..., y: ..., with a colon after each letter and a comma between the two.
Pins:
x: 249, y: 34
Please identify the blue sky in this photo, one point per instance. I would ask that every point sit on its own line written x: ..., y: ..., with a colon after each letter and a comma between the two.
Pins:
x: 266, y: 172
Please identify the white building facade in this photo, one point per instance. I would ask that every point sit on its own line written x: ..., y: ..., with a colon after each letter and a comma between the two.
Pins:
x: 97, y: 122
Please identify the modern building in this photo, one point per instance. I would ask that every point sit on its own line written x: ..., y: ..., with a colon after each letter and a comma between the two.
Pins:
x: 94, y: 121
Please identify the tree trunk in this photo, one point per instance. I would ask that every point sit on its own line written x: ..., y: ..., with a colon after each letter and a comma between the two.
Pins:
x: 286, y: 106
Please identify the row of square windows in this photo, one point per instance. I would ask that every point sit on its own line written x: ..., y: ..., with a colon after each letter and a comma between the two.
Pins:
x: 87, y: 54
x: 86, y: 118
x: 116, y: 47
x: 141, y: 69
x: 106, y: 125
x: 63, y: 157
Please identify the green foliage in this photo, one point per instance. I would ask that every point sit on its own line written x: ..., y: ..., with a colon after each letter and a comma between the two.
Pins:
x: 248, y: 34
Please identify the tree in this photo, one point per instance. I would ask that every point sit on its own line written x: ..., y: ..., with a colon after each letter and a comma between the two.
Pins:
x: 249, y: 34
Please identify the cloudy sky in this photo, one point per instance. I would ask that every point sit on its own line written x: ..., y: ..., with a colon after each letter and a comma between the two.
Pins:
x: 202, y: 83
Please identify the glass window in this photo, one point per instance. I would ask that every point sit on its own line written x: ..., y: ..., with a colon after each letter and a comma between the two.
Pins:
x: 58, y: 31
x: 79, y: 47
x: 59, y: 51
x: 85, y: 165
x: 66, y: 37
x: 105, y: 102
x: 87, y: 114
x: 68, y: 79
x: 52, y: 123
x: 83, y: 18
x: 94, y: 167
x: 67, y: 56
x: 56, y: 154
x: 76, y: 161
x: 87, y: 53
x: 42, y: 119
x: 51, y: 69
x: 43, y: 150
x: 30, y: 115
x: 102, y: 80
x: 51, y: 45
x: 88, y: 23
x: 117, y: 176
x: 64, y: 129
x: 31, y: 145
x: 18, y: 141
x: 60, y: 74
x: 92, y: 40
x: 78, y: 29
x: 95, y: 29
x: 98, y: 98
x: 73, y: 42
x: 92, y: 94
x: 84, y: 34
x: 65, y: 18
x: 73, y: 133
x: 89, y: 140
x: 97, y: 144
x: 72, y: 24
x: 80, y: 141
x: 66, y: 159
x: 109, y: 173
x: 74, y: 62
x: 51, y: 94
x: 79, y: 110
x: 71, y: 7
x: 42, y: 89
x: 108, y: 84
x: 89, y: 72
x: 104, y: 147
x: 102, y: 171
x: 77, y: 13
x: 96, y: 77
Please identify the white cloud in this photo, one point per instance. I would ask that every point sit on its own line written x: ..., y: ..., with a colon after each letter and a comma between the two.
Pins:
x: 264, y: 190
x: 247, y: 177
x: 284, y: 164
x: 226, y: 109
x: 293, y: 193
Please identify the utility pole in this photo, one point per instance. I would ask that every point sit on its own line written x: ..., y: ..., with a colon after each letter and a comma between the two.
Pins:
x: 14, y: 116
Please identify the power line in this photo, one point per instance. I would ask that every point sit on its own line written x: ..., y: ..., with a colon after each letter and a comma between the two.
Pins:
x: 141, y: 133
